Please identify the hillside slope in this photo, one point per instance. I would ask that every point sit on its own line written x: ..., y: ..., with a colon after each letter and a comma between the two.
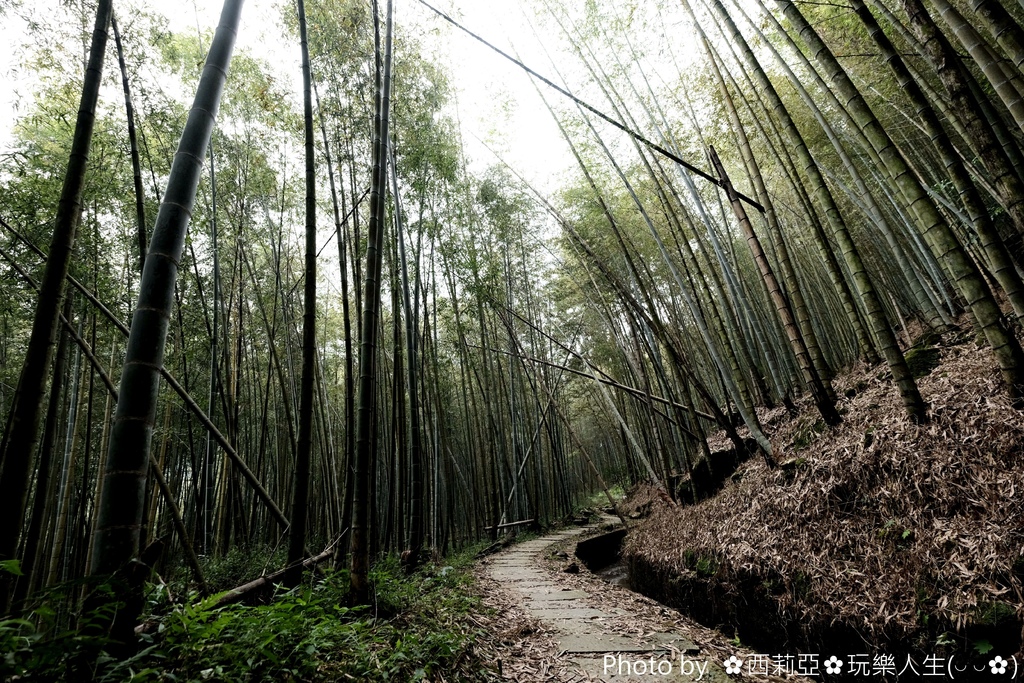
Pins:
x: 879, y: 534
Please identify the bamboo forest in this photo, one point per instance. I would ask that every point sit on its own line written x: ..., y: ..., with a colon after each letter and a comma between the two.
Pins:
x: 452, y: 340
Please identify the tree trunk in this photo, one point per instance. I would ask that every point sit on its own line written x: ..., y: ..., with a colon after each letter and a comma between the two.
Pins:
x: 120, y: 508
x: 365, y: 429
x: 304, y: 445
x: 22, y: 433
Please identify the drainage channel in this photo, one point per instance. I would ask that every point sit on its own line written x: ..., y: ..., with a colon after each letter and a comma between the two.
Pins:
x: 601, y: 555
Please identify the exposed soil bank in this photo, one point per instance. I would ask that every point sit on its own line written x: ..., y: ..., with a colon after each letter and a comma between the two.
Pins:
x: 878, y: 536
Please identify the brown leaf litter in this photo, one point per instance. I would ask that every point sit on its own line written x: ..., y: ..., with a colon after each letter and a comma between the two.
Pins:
x: 879, y: 520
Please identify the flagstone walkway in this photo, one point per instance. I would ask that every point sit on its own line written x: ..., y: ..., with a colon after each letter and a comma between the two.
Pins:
x: 554, y: 626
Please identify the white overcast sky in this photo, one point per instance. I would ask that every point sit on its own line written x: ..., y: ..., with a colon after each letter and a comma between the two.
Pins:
x: 497, y: 104
x: 495, y: 99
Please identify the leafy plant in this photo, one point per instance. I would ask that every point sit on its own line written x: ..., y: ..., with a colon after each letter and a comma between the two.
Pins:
x: 415, y: 628
x: 706, y: 566
x: 12, y: 567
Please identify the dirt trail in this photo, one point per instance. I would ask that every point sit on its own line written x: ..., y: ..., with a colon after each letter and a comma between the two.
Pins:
x: 556, y: 626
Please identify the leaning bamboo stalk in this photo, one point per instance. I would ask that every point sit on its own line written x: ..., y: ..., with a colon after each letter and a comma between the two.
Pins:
x: 97, y: 367
x: 910, y: 394
x: 22, y: 433
x: 737, y: 351
x: 761, y: 111
x: 968, y: 280
x: 576, y: 441
x: 133, y: 145
x: 660, y: 330
x: 825, y: 404
x: 604, y: 379
x: 1006, y: 31
x: 190, y: 403
x: 980, y: 139
x: 1006, y: 82
x: 241, y: 592
x: 730, y: 373
x: 120, y: 508
x: 931, y: 315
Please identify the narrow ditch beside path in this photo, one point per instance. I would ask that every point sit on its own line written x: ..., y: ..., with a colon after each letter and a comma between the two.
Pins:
x: 556, y: 626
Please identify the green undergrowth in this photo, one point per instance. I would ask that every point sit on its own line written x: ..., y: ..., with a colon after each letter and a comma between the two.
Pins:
x: 239, y: 565
x: 416, y: 627
x: 598, y: 499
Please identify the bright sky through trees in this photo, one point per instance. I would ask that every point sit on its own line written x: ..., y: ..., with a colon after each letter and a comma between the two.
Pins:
x: 497, y: 106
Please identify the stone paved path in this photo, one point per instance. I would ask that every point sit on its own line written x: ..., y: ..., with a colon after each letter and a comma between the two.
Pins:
x: 582, y: 631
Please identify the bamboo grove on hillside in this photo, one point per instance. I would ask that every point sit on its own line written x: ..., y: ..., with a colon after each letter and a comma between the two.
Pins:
x: 763, y: 196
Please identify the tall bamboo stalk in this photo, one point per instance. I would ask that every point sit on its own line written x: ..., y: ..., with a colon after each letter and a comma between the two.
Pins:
x: 22, y: 432
x: 304, y: 446
x: 120, y: 508
x: 362, y: 507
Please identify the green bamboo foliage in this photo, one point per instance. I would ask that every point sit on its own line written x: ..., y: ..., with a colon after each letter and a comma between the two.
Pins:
x: 723, y: 354
x: 120, y: 509
x: 735, y: 345
x: 730, y: 374
x: 648, y: 310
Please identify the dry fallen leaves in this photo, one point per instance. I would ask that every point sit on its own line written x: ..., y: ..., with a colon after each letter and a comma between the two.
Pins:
x: 885, y: 517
